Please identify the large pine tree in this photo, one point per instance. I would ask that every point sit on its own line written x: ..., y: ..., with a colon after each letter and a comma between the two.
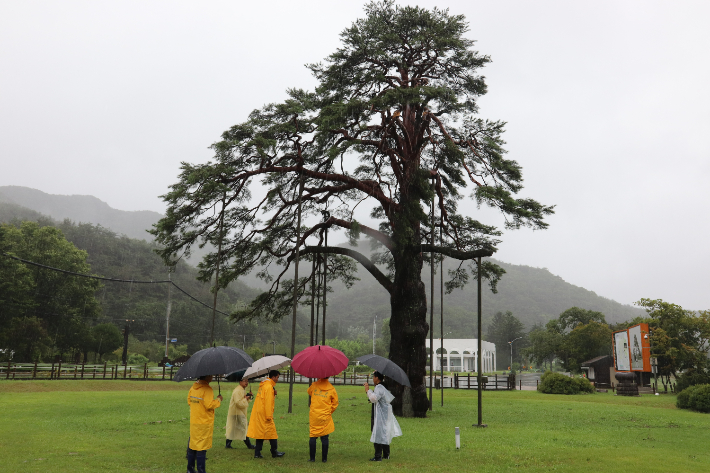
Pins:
x: 393, y: 121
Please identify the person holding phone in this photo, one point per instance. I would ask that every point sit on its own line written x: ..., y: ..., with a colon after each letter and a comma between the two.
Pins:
x: 237, y: 415
x: 385, y: 426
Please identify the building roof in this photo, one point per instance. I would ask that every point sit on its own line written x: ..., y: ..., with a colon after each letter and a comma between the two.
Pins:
x: 595, y: 360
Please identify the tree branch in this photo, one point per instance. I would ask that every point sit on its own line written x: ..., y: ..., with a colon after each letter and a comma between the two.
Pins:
x: 357, y: 256
x: 454, y: 253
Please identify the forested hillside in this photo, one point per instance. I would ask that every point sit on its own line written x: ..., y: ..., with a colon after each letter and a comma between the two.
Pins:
x: 111, y: 255
x: 82, y: 208
x: 533, y: 295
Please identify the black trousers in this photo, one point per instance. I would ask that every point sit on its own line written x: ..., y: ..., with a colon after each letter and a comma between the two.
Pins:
x: 260, y: 444
x: 382, y: 451
x: 325, y: 443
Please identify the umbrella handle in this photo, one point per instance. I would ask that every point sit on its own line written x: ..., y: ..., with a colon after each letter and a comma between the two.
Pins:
x: 219, y: 388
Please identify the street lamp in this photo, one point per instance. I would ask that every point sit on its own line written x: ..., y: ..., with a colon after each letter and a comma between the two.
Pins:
x: 511, y: 351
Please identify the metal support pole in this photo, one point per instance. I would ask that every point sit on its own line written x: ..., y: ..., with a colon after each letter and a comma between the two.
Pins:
x: 295, y: 291
x: 431, y: 314
x: 441, y: 305
x: 480, y: 350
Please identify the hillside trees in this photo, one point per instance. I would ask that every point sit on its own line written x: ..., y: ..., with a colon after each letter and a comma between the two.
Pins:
x: 577, y: 335
x: 49, y: 305
x: 503, y: 329
x: 392, y: 123
x: 679, y: 338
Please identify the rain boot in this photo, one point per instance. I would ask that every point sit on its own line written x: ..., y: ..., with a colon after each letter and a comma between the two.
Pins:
x: 191, y: 461
x: 312, y: 449
x: 257, y: 448
x: 229, y: 444
x: 248, y: 444
x: 274, y: 449
x: 378, y: 453
x: 201, y: 460
x: 325, y: 443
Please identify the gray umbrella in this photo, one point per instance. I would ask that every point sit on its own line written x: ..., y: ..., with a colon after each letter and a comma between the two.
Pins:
x: 386, y: 367
x: 215, y: 361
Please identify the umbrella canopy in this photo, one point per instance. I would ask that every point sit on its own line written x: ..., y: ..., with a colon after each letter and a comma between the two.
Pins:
x: 386, y: 367
x: 319, y: 361
x: 263, y: 365
x: 214, y: 360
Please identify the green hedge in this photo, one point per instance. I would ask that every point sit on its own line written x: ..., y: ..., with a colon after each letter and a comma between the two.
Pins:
x: 695, y: 397
x: 557, y: 383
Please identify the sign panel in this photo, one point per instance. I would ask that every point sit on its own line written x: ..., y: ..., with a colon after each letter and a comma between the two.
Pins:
x: 636, y: 351
x: 174, y: 340
x: 621, y: 351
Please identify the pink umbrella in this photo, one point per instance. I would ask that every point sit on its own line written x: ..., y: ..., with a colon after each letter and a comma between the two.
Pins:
x: 319, y: 361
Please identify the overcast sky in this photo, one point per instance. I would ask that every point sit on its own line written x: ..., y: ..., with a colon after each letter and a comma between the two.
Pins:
x: 607, y: 104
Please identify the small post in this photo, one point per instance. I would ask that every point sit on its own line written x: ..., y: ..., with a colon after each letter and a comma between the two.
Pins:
x: 34, y: 371
x: 457, y: 432
x: 59, y: 369
x: 82, y: 370
x: 105, y: 363
x: 76, y: 368
x: 145, y: 371
x: 51, y: 373
x: 521, y: 384
x: 7, y: 375
x: 163, y: 378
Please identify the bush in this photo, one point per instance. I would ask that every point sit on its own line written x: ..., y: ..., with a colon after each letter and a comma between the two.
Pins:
x: 691, y: 378
x: 137, y: 359
x: 695, y: 397
x: 557, y: 383
x: 700, y: 398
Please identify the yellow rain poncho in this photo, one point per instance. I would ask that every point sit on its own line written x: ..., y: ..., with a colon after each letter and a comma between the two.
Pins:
x: 324, y: 401
x: 202, y: 405
x: 261, y: 422
x: 237, y: 415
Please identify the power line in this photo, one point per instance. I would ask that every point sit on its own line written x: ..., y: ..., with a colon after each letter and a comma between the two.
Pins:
x: 132, y: 281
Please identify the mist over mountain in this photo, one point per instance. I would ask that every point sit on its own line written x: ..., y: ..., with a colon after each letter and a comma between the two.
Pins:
x: 84, y: 209
x: 533, y: 295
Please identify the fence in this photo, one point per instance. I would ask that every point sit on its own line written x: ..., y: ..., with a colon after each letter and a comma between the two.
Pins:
x: 61, y: 370
x: 68, y: 371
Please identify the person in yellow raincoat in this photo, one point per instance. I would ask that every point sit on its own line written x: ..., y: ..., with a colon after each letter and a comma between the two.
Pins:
x: 261, y: 422
x: 202, y: 405
x: 324, y: 401
x: 237, y: 416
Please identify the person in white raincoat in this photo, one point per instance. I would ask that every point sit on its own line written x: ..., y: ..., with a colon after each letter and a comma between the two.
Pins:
x: 237, y: 416
x: 385, y: 426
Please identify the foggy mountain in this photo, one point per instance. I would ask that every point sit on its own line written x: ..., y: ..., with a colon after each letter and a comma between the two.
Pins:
x: 84, y: 209
x: 534, y: 295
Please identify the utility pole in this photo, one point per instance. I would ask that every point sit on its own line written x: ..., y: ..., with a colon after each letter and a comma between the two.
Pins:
x: 374, y: 329
x: 295, y: 290
x: 124, y: 357
x: 167, y: 316
x: 216, y: 276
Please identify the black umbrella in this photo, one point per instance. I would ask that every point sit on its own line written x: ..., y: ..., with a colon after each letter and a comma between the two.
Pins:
x: 215, y: 360
x: 386, y: 367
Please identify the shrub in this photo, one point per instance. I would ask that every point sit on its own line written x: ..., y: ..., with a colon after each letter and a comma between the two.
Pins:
x: 683, y: 399
x: 136, y: 359
x: 691, y: 378
x: 557, y: 383
x: 699, y: 399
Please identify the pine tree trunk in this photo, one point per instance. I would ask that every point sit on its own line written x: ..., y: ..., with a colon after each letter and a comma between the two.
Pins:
x: 408, y: 325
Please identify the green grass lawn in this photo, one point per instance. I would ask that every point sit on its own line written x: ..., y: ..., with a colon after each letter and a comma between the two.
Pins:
x: 74, y: 426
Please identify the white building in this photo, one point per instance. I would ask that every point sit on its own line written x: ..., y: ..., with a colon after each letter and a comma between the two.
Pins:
x: 460, y: 354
